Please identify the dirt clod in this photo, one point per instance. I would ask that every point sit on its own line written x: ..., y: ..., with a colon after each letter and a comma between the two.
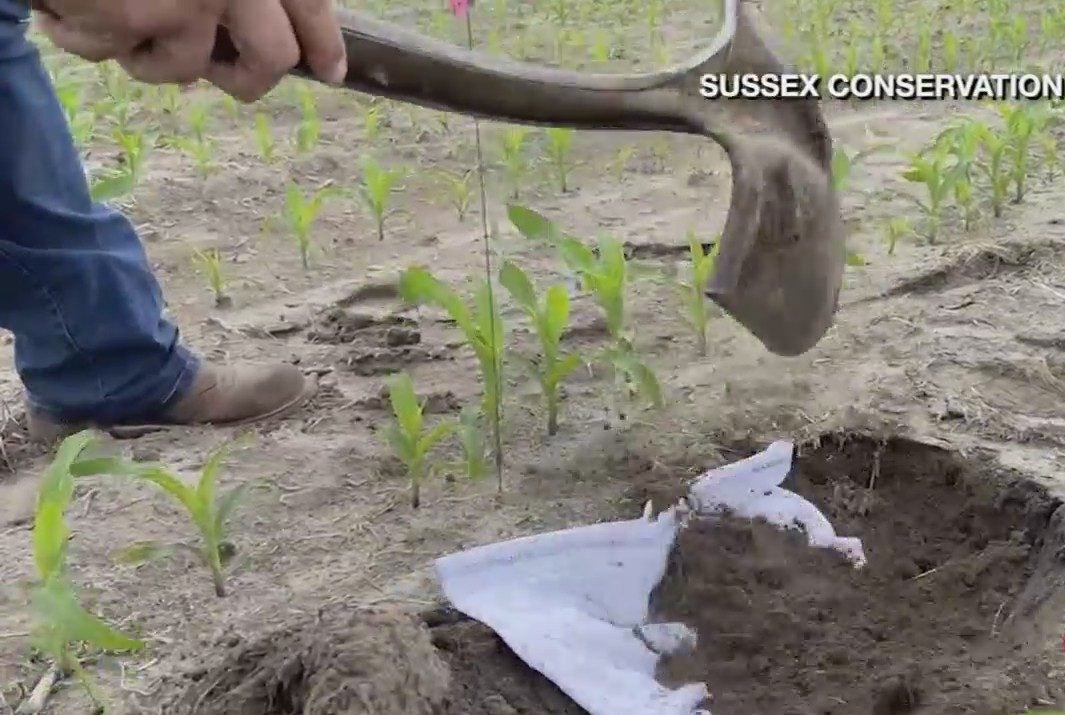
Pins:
x: 339, y: 327
x: 358, y: 662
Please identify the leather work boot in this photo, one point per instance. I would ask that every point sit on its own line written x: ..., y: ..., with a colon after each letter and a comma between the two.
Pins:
x: 220, y: 395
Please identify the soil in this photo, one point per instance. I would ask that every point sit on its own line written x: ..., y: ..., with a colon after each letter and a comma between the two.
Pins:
x: 938, y: 621
x: 955, y: 343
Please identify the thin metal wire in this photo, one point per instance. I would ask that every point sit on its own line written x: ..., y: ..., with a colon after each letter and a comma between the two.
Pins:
x: 497, y: 368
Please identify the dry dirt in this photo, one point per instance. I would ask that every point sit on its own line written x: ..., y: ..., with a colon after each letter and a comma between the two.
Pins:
x: 956, y: 345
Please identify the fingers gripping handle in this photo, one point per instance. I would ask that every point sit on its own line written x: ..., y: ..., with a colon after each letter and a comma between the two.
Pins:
x: 225, y: 52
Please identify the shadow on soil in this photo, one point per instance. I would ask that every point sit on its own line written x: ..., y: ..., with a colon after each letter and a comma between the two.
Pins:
x: 956, y: 612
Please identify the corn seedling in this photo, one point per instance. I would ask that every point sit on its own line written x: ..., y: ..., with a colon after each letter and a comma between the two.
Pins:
x: 200, y: 146
x: 604, y: 273
x: 208, y: 510
x: 620, y: 163
x: 550, y: 318
x: 559, y: 148
x: 693, y: 292
x: 897, y: 228
x: 459, y: 189
x: 877, y: 53
x: 210, y: 263
x: 301, y: 212
x: 1050, y: 155
x: 885, y: 14
x: 62, y: 624
x: 932, y: 170
x: 951, y: 51
x: 264, y: 138
x: 80, y: 119
x: 408, y: 436
x: 309, y: 128
x: 1017, y: 38
x: 515, y: 161
x: 601, y: 50
x: 170, y: 99
x: 963, y: 143
x: 995, y: 150
x: 372, y: 122
x: 1023, y: 123
x: 121, y: 182
x: 638, y: 379
x: 843, y: 164
x: 378, y: 183
x: 923, y: 61
x: 482, y: 329
x: 819, y: 59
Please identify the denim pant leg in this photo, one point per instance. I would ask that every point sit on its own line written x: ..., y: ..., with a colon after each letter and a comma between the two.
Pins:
x: 76, y: 288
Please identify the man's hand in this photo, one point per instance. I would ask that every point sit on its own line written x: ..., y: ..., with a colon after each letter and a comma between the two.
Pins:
x: 170, y: 41
x: 271, y: 37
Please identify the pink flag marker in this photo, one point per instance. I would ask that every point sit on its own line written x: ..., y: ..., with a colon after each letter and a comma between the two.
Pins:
x: 460, y: 7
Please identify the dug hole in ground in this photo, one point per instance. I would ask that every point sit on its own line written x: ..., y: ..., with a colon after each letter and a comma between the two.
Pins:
x: 955, y: 608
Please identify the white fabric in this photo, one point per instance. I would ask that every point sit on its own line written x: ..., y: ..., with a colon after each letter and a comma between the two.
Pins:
x: 573, y: 604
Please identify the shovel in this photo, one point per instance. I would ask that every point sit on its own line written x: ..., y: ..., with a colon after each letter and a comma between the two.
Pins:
x: 780, y: 266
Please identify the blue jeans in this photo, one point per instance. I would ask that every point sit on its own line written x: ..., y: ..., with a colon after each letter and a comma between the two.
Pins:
x: 76, y: 289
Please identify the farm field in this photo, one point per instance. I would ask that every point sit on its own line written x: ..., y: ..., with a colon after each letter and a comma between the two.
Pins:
x: 928, y: 421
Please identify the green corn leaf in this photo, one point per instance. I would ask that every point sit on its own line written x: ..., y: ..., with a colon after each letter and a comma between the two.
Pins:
x: 489, y: 323
x: 648, y: 383
x: 612, y: 259
x: 401, y: 443
x: 405, y: 404
x: 695, y: 248
x: 76, y: 624
x: 178, y: 489
x: 841, y: 168
x: 419, y: 286
x: 208, y: 484
x: 113, y: 466
x: 295, y: 205
x: 431, y: 438
x: 644, y: 378
x: 556, y: 314
x: 537, y: 227
x: 50, y: 534
x: 517, y: 283
x: 227, y: 504
x: 533, y: 225
x: 917, y: 174
x: 577, y: 256
x: 561, y: 138
x: 707, y: 264
x: 563, y: 368
x: 113, y: 186
x: 50, y: 531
